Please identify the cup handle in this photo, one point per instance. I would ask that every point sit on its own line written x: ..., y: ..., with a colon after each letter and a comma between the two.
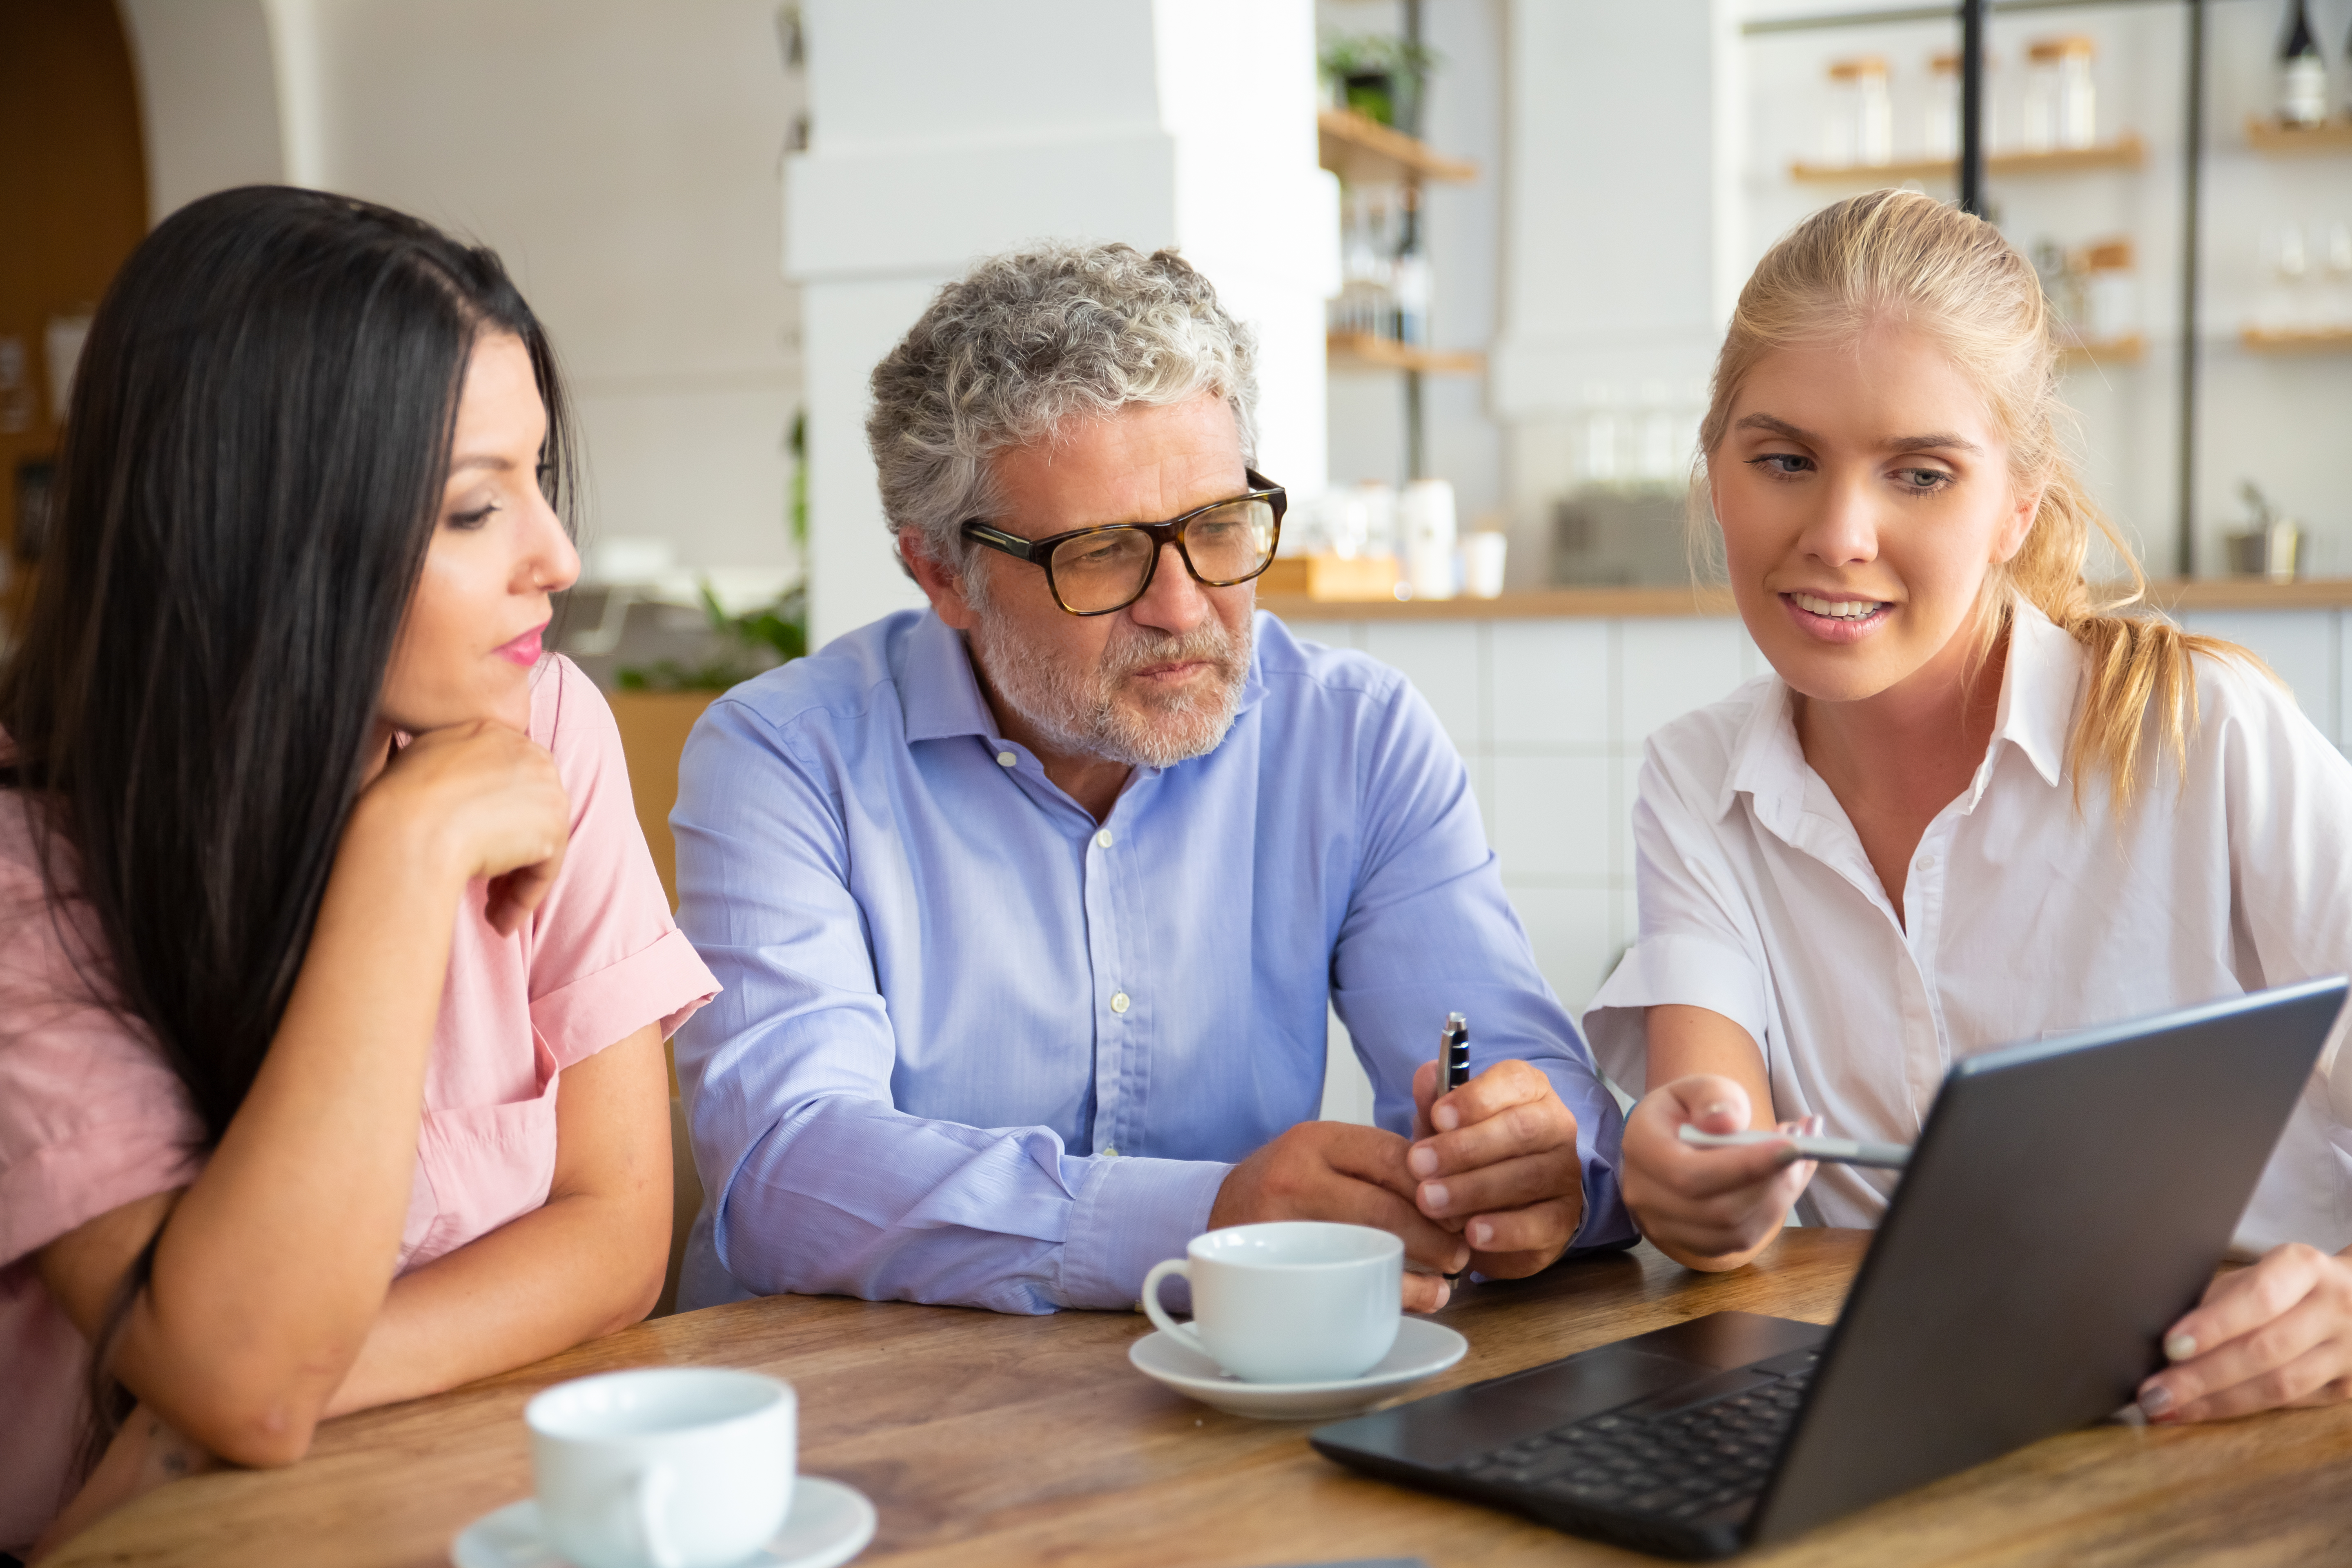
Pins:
x: 1183, y: 1333
x: 651, y: 1489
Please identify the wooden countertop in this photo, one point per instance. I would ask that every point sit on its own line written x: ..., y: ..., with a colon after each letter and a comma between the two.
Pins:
x: 2172, y: 595
x: 988, y: 1440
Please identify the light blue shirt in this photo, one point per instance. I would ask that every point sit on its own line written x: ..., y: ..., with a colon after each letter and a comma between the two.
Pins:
x: 975, y: 1047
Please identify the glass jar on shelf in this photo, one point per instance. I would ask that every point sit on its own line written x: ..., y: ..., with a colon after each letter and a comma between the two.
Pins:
x: 2110, y: 291
x: 1940, y: 124
x: 2286, y: 304
x: 2061, y: 101
x: 1860, y: 130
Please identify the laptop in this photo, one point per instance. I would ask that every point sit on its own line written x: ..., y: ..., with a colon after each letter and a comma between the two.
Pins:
x: 2046, y: 1232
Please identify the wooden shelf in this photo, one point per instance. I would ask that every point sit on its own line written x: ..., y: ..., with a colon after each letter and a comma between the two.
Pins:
x: 2297, y: 339
x: 1362, y: 350
x: 2128, y: 350
x: 1363, y: 152
x: 2126, y: 151
x: 2270, y: 136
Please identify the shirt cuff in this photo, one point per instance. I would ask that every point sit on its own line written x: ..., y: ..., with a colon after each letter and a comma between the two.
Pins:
x: 1672, y: 967
x: 1130, y: 1215
x: 1606, y: 1225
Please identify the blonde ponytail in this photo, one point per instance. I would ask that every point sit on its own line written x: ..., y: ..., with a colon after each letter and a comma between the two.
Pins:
x: 1900, y: 255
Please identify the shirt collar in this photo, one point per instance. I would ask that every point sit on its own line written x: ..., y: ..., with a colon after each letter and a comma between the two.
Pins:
x: 939, y: 693
x: 2038, y: 691
x: 2038, y: 684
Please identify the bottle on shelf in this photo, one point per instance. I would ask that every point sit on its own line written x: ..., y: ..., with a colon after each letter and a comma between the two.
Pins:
x: 1411, y: 288
x: 2061, y: 101
x: 1860, y: 127
x: 2303, y: 72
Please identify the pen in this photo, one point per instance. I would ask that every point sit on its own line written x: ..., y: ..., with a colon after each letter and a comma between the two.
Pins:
x: 1831, y: 1151
x: 1453, y: 1062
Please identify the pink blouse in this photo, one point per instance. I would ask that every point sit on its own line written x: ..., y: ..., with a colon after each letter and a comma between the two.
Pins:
x: 91, y: 1118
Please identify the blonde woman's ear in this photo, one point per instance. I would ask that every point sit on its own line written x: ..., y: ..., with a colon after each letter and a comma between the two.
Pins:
x: 2011, y: 538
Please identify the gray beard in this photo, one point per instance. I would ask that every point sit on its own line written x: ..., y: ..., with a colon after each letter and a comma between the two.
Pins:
x: 1081, y: 713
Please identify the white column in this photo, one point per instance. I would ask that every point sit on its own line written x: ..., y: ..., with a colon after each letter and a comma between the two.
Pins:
x: 941, y: 131
x: 1613, y: 260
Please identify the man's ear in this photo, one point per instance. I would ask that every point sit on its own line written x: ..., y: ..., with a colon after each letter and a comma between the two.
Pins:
x: 941, y: 584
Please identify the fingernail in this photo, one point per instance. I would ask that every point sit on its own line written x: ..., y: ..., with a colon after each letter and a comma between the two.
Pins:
x: 2180, y: 1347
x: 2155, y: 1401
x: 1481, y: 1232
x: 1446, y: 1119
x: 1422, y: 1160
x: 1444, y: 1294
x: 1719, y: 1108
x: 1433, y: 1194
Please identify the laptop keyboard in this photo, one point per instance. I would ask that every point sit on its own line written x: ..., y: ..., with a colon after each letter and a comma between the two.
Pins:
x: 1675, y: 1466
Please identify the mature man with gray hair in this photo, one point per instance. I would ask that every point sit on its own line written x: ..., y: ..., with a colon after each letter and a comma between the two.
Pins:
x: 1029, y: 906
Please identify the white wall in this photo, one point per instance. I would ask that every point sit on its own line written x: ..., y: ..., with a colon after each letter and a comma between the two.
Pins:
x: 621, y: 156
x: 1148, y: 122
x: 208, y: 93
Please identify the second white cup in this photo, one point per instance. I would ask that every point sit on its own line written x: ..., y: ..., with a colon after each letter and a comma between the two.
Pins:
x: 1293, y: 1302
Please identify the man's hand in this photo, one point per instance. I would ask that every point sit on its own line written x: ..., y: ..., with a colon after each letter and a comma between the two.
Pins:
x: 2276, y: 1334
x: 1351, y: 1175
x: 1496, y: 1159
x: 1711, y: 1209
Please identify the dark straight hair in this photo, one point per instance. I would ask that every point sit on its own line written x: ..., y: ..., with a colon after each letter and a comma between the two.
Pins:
x: 250, y: 473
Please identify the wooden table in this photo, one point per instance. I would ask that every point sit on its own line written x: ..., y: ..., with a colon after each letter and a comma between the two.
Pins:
x: 986, y: 1440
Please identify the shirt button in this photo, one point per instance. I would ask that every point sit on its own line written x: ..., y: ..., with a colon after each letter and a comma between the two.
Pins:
x: 1006, y: 759
x: 1103, y: 838
x: 1118, y: 1001
x: 1926, y: 862
x: 1112, y: 1151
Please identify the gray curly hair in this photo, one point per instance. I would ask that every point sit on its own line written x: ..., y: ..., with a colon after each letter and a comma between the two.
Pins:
x: 1031, y: 339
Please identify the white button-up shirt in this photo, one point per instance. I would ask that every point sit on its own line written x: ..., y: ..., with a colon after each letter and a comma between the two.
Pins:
x: 2023, y: 917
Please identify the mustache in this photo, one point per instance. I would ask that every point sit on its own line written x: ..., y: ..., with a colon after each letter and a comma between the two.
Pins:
x: 1208, y: 642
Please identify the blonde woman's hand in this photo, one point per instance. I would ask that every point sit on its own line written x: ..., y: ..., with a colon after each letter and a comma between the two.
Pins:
x: 1707, y: 1208
x: 2278, y: 1333
x: 477, y: 800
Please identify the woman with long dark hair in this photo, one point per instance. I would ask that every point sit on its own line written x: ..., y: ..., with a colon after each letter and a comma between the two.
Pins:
x: 333, y: 968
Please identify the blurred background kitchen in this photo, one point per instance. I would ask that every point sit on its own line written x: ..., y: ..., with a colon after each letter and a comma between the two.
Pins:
x: 1487, y: 245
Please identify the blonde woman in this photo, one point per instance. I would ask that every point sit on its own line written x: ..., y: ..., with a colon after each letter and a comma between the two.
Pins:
x: 1970, y: 806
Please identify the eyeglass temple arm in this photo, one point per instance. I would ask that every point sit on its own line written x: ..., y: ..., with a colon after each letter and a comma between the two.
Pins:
x: 1011, y: 545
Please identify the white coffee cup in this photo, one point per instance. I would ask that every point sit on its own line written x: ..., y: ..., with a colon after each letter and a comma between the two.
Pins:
x: 664, y: 1467
x: 1295, y: 1301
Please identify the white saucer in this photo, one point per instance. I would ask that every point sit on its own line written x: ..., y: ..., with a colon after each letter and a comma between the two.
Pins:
x: 830, y: 1522
x: 1422, y: 1349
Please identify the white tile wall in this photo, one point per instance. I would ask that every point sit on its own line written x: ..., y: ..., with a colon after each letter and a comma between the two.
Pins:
x: 1550, y: 716
x: 2305, y: 647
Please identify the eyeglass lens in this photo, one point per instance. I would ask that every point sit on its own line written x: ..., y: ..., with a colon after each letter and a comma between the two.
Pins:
x: 1098, y: 572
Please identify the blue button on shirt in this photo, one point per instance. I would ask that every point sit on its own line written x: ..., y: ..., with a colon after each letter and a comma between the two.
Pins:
x: 975, y: 1047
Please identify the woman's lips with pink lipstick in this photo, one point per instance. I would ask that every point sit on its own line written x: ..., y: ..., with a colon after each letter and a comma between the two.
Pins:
x: 525, y: 649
